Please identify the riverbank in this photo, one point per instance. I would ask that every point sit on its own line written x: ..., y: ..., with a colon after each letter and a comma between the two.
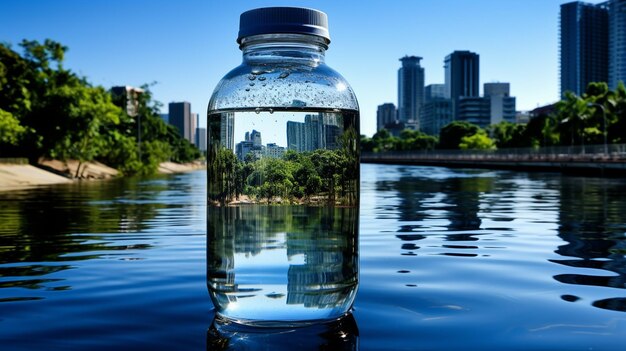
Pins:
x: 19, y: 176
x: 15, y: 174
x: 550, y: 160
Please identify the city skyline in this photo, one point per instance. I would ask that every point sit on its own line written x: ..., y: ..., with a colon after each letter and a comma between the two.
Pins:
x: 188, y: 59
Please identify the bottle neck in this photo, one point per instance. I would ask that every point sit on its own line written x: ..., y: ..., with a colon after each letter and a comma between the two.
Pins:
x: 284, y: 48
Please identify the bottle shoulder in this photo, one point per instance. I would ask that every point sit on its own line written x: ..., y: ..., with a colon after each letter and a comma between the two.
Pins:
x: 283, y: 85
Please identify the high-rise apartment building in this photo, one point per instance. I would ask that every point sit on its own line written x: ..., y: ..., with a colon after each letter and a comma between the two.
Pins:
x: 617, y: 42
x: 494, y: 107
x: 182, y: 118
x: 385, y: 114
x: 501, y: 104
x: 435, y: 114
x: 320, y: 131
x: 462, y: 77
x: 295, y: 136
x: 227, y: 130
x: 436, y: 111
x: 584, y: 50
x: 410, y: 89
x: 434, y: 91
x: 201, y: 139
x: 473, y: 109
x: 251, y: 144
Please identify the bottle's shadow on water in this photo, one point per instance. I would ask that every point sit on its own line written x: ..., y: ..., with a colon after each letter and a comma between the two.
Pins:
x: 342, y: 334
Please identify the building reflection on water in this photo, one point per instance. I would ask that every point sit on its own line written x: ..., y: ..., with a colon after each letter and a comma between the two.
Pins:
x: 588, y: 214
x: 591, y: 221
x: 458, y: 197
x: 324, y: 236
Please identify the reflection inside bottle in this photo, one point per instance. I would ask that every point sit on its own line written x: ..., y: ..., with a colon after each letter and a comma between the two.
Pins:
x: 282, y: 263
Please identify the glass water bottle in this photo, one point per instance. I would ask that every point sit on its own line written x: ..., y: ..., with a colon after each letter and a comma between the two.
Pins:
x: 283, y: 177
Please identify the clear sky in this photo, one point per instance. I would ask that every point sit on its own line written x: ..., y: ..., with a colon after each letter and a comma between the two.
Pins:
x: 186, y: 46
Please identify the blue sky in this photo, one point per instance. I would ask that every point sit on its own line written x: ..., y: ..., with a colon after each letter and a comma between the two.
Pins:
x: 186, y: 46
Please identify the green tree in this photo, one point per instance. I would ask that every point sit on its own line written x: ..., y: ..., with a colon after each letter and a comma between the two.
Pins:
x: 542, y: 131
x: 327, y: 163
x: 415, y: 140
x: 383, y: 141
x: 507, y: 135
x: 88, y: 109
x: 10, y: 129
x: 451, y: 135
x: 572, y: 113
x: 478, y: 141
x: 367, y: 144
x: 50, y: 111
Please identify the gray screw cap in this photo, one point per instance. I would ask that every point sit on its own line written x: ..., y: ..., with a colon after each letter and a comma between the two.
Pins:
x: 283, y: 20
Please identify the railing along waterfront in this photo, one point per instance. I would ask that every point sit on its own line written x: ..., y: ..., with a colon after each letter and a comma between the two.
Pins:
x: 555, y: 157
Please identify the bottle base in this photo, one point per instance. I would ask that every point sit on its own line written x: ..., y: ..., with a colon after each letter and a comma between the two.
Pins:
x: 236, y: 323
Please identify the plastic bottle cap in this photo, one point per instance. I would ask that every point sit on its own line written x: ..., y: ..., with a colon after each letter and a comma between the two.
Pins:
x: 283, y: 20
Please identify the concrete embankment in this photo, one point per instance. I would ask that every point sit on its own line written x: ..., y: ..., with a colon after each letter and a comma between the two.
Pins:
x: 590, y: 164
x: 18, y: 174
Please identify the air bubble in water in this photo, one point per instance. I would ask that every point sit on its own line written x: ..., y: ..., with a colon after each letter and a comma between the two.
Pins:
x: 262, y: 78
x: 247, y: 89
x: 251, y: 84
x: 257, y: 110
x: 252, y: 77
x: 271, y: 110
x: 283, y: 75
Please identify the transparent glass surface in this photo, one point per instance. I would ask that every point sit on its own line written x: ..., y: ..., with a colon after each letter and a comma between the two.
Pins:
x: 283, y: 186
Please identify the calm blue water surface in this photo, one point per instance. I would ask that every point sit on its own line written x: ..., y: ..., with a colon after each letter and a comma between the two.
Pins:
x: 449, y: 260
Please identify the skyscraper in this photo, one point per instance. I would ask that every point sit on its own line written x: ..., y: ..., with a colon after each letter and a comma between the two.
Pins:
x: 436, y: 111
x: 201, y: 139
x: 496, y: 106
x: 501, y: 104
x: 434, y: 91
x: 182, y: 119
x: 227, y: 130
x: 410, y: 89
x: 617, y: 42
x: 584, y: 49
x: 319, y: 131
x: 462, y: 77
x: 193, y: 126
x: 385, y: 114
x: 295, y: 136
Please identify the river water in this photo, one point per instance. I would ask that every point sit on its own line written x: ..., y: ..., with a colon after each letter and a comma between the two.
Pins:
x: 449, y: 259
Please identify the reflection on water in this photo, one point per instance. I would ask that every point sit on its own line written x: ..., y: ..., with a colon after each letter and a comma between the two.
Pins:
x: 449, y: 259
x: 475, y: 205
x: 70, y: 223
x: 339, y: 335
x: 282, y: 263
x: 591, y: 217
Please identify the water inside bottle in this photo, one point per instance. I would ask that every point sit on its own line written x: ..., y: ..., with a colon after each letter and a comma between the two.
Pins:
x: 282, y: 242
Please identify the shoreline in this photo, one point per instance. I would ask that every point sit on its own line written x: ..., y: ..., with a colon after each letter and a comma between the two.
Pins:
x: 18, y: 175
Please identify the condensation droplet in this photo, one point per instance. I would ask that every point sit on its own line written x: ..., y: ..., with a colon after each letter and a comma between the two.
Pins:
x: 262, y: 78
x: 283, y: 75
x: 247, y: 89
x: 252, y: 77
